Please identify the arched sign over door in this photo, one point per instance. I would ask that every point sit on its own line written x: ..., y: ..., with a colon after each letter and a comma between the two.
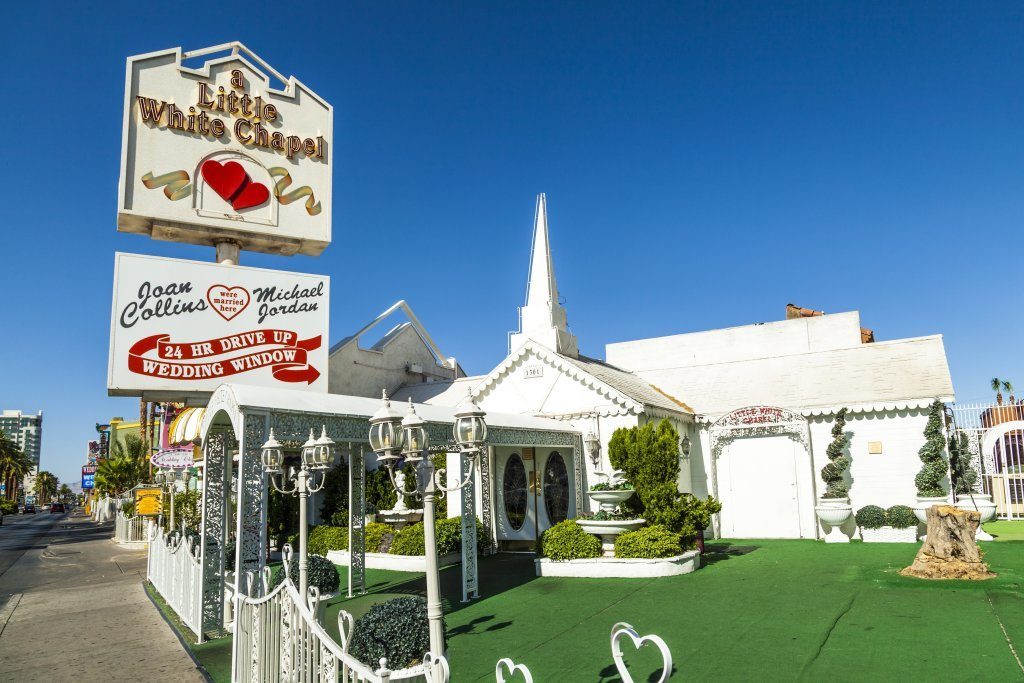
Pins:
x: 761, y: 465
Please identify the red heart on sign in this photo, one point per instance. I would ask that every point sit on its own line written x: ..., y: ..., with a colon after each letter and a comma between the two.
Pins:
x: 226, y: 301
x: 251, y: 195
x: 225, y: 179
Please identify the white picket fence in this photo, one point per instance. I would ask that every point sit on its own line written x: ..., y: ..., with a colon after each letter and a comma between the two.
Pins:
x: 130, y: 529
x: 995, y: 438
x: 175, y: 571
x: 278, y: 638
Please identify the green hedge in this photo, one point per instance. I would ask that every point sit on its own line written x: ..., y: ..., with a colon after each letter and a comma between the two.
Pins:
x: 376, y: 533
x: 448, y: 532
x: 649, y: 542
x: 323, y: 539
x: 568, y: 541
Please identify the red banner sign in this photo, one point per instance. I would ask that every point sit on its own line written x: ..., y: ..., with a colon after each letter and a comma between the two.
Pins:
x: 286, y: 356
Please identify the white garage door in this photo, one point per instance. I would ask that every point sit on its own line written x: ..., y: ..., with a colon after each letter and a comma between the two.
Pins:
x: 757, y: 481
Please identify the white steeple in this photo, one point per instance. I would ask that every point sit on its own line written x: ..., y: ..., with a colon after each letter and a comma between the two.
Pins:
x: 543, y: 319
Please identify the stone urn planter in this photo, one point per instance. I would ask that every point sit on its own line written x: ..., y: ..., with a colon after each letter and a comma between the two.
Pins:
x: 834, y: 512
x: 920, y: 508
x: 983, y: 504
x: 608, y: 529
x: 609, y: 500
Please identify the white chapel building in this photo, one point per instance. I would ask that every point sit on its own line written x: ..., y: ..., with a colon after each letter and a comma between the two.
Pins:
x: 753, y: 405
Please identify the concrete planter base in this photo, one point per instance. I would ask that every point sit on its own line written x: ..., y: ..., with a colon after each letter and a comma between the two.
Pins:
x: 397, y: 563
x: 618, y: 567
x: 888, y: 534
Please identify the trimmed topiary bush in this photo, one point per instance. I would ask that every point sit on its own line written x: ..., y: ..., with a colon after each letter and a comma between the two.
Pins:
x: 900, y: 517
x: 325, y: 538
x: 929, y: 479
x: 649, y: 542
x: 568, y: 541
x: 321, y: 573
x: 409, y: 541
x: 832, y: 473
x: 871, y: 517
x: 396, y: 630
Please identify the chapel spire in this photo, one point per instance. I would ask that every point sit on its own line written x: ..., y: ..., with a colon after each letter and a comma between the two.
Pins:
x: 543, y: 318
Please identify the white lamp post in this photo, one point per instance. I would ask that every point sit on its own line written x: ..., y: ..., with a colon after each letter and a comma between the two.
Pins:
x: 316, y: 457
x: 168, y: 477
x: 390, y: 434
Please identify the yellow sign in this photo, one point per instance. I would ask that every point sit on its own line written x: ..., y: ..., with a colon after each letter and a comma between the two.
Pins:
x: 148, y: 502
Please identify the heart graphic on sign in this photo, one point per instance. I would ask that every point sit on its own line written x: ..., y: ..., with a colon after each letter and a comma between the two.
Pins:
x: 234, y: 185
x: 226, y: 301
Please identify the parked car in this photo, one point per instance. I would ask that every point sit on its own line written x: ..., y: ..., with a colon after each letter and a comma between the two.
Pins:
x: 29, y: 510
x: 57, y: 507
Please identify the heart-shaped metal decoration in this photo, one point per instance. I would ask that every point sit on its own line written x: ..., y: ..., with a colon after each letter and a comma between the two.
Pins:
x: 437, y: 667
x: 622, y: 630
x: 507, y: 666
x: 345, y: 626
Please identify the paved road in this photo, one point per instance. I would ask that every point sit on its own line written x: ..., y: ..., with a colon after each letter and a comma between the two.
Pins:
x: 72, y: 605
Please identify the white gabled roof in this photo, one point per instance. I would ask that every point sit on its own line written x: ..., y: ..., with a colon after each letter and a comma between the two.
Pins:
x: 888, y: 374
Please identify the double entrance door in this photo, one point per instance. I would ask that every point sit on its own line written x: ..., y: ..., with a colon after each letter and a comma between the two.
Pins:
x: 533, y: 487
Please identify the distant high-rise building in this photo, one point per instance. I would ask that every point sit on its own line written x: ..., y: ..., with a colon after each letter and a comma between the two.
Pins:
x: 26, y: 430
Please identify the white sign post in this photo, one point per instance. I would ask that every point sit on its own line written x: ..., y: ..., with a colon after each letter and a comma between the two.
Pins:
x: 180, y: 328
x: 229, y: 151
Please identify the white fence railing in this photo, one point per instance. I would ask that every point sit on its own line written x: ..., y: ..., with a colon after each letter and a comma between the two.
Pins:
x: 106, y: 509
x: 995, y: 437
x: 130, y: 529
x: 175, y: 571
x: 278, y: 638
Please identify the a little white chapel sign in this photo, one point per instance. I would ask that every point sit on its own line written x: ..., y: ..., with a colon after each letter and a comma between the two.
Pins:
x: 229, y: 149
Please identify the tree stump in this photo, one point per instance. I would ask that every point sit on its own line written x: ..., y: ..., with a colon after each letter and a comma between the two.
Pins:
x: 950, y: 551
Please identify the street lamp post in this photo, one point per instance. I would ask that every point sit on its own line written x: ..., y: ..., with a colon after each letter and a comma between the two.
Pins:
x: 393, y: 438
x: 169, y: 476
x: 308, y: 477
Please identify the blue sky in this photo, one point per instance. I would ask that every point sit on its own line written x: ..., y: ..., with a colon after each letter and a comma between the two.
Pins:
x: 704, y: 164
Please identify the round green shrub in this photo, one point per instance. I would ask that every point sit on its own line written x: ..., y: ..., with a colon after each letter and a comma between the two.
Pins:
x: 649, y: 542
x: 340, y: 518
x: 375, y: 533
x: 323, y: 539
x: 449, y: 535
x: 396, y: 630
x: 568, y: 541
x: 870, y: 517
x: 320, y: 571
x: 900, y: 517
x: 409, y: 541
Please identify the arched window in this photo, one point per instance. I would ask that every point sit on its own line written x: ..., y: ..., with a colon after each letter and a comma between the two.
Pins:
x: 556, y: 488
x: 514, y: 493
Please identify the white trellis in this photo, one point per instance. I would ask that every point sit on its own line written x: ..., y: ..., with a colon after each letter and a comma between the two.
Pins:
x: 175, y: 571
x: 278, y: 638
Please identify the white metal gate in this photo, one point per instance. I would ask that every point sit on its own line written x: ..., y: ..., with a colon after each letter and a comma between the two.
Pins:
x: 995, y: 436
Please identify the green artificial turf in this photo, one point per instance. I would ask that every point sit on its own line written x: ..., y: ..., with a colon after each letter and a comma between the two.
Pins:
x: 759, y: 610
x: 1006, y: 531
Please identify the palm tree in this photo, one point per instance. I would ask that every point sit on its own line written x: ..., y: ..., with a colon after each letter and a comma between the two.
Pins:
x: 999, y: 386
x: 46, y: 486
x: 65, y: 492
x: 14, y: 465
x: 124, y: 469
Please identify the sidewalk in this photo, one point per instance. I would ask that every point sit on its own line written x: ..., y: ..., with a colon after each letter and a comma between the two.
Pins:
x: 73, y: 606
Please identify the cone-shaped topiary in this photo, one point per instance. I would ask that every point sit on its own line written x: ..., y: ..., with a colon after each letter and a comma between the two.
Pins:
x: 832, y: 473
x: 932, y: 454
